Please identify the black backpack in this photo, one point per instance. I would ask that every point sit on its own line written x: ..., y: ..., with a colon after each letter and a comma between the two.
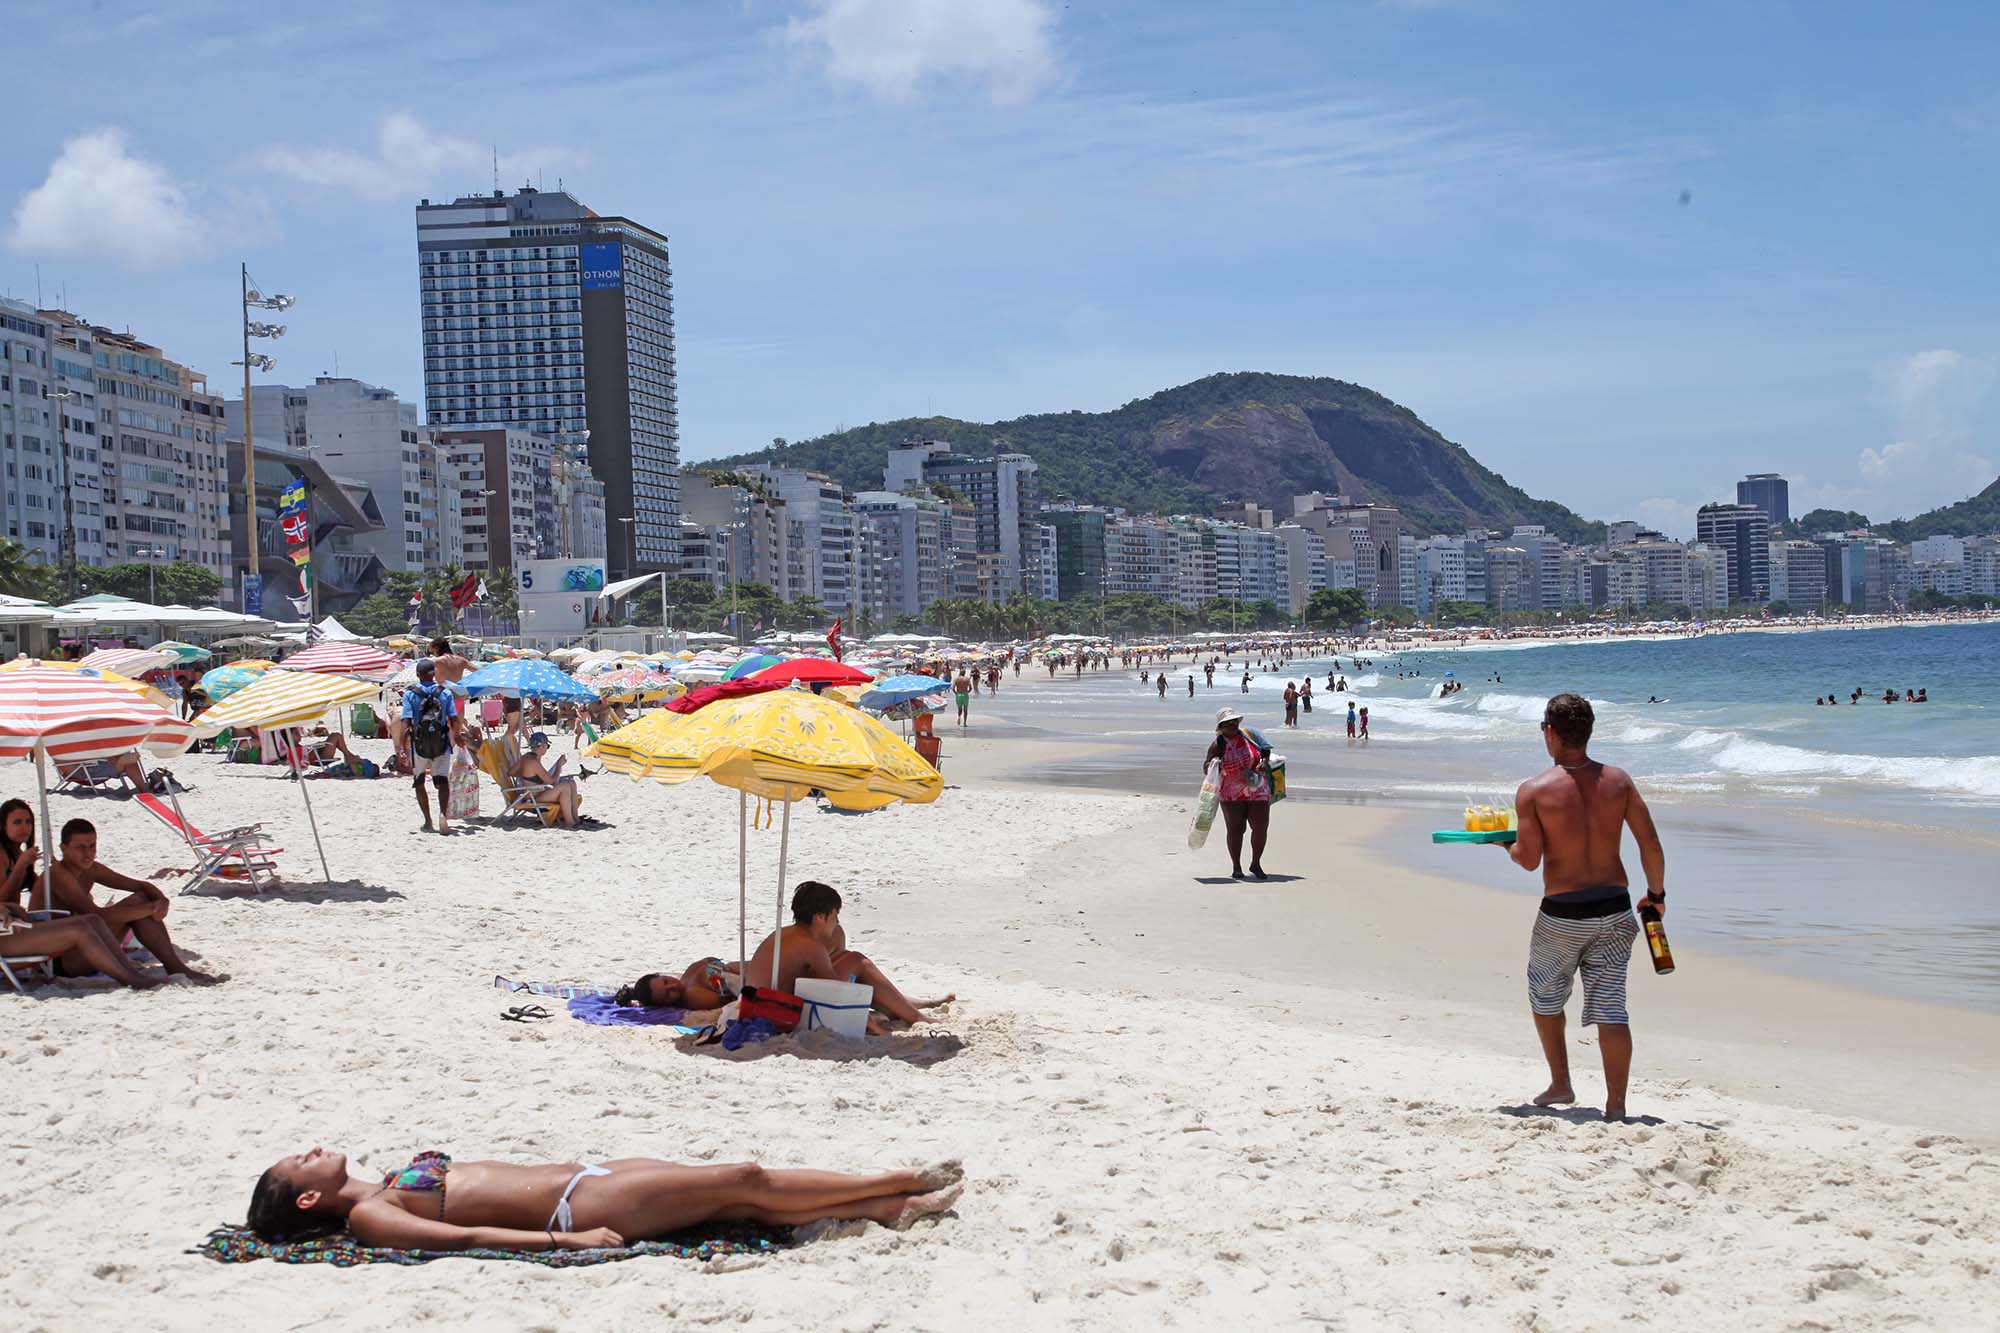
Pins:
x: 430, y: 733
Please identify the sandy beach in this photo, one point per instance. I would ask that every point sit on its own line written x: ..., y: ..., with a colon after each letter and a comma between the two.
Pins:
x: 1178, y: 1098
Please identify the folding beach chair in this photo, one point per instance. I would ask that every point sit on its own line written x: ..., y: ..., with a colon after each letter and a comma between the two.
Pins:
x: 214, y: 851
x: 95, y: 775
x: 25, y: 965
x: 517, y: 798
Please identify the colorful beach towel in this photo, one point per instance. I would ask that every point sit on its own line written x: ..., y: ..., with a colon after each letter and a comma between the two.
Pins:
x: 605, y: 1012
x: 238, y: 1245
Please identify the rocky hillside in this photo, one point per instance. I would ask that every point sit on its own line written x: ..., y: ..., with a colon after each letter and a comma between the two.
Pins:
x: 1242, y: 436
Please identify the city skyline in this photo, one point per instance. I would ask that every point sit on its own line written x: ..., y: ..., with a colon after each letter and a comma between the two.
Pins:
x: 1661, y: 257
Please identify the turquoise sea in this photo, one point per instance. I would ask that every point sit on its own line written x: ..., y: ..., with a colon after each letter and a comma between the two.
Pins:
x: 1855, y: 842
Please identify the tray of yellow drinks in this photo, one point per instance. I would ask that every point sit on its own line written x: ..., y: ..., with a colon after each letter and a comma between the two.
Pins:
x: 1483, y: 824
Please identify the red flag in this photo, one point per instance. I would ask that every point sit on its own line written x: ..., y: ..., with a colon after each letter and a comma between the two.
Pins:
x: 833, y: 638
x: 466, y: 592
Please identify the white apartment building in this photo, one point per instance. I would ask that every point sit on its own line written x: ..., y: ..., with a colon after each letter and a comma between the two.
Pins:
x: 1140, y: 556
x: 1440, y: 573
x: 1003, y: 493
x: 366, y: 432
x: 48, y: 444
x: 146, y: 472
x: 823, y: 532
x: 1708, y: 571
x: 1798, y: 573
x: 1982, y: 566
x: 507, y: 492
x: 1303, y: 553
x: 904, y: 568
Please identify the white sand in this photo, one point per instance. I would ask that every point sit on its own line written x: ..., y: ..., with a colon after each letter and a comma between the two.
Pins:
x: 1143, y: 1147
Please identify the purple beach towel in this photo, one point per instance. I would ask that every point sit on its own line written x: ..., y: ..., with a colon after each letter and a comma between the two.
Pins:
x: 604, y: 1012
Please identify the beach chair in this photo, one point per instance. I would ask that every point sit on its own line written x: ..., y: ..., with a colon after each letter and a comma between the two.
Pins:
x: 254, y: 863
x: 96, y: 775
x: 517, y: 799
x: 26, y: 965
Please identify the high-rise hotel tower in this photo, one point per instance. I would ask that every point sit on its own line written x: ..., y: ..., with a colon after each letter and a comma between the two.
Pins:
x: 540, y: 315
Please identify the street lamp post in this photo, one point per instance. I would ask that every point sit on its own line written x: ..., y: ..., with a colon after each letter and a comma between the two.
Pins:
x: 152, y: 554
x: 254, y: 299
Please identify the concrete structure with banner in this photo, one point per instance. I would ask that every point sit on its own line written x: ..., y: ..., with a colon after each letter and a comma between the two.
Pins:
x: 558, y: 597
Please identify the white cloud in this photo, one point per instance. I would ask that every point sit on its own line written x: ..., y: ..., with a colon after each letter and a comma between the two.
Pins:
x: 1937, y: 401
x: 1878, y: 463
x: 894, y: 49
x: 101, y: 200
x: 408, y: 157
x: 1673, y: 517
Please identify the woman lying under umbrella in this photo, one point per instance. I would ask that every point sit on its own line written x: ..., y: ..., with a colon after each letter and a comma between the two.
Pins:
x: 435, y: 1203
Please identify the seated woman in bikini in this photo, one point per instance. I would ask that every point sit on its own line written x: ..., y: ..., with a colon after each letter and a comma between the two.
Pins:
x: 435, y: 1203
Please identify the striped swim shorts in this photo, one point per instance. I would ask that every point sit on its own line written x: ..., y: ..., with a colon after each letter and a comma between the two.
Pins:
x: 1600, y: 947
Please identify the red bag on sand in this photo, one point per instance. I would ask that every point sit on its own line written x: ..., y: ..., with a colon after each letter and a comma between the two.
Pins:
x: 781, y: 1009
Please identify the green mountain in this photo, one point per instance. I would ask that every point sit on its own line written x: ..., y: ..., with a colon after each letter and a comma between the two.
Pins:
x: 1246, y: 436
x: 1967, y: 518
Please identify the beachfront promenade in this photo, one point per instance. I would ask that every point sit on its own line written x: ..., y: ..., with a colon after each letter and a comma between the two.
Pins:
x: 1296, y: 1103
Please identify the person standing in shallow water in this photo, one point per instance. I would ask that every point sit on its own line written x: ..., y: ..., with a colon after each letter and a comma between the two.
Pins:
x: 1572, y: 819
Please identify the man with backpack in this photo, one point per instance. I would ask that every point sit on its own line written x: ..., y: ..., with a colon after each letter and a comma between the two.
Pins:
x: 428, y: 711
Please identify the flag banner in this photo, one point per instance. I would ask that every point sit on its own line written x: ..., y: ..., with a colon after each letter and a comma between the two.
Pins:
x: 465, y: 592
x: 253, y: 595
x: 302, y: 555
x: 297, y: 530
x: 302, y: 607
x: 292, y: 499
x: 833, y: 638
x: 481, y: 595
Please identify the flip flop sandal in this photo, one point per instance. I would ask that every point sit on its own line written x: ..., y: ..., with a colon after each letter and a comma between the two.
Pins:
x: 525, y: 1013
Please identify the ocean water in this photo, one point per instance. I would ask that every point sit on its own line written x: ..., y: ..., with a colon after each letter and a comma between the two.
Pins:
x: 1739, y: 715
x: 1854, y: 842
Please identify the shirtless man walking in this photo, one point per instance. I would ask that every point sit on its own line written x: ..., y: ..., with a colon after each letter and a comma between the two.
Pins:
x: 1572, y: 819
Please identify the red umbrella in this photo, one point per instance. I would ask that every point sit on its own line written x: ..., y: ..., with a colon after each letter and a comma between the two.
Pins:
x: 814, y: 671
x: 345, y: 659
x: 696, y: 699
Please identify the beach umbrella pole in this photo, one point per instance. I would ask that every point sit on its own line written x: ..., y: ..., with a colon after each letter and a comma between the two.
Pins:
x: 784, y: 846
x: 293, y: 750
x: 743, y: 886
x: 45, y: 833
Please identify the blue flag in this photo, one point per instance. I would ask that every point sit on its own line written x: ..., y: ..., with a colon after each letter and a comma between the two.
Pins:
x: 292, y: 499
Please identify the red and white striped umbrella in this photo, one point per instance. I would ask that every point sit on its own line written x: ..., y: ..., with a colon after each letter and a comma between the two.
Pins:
x: 69, y: 716
x: 345, y: 659
x: 133, y: 662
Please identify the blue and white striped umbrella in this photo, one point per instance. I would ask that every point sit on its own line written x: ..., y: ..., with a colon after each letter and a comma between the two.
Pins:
x: 527, y: 678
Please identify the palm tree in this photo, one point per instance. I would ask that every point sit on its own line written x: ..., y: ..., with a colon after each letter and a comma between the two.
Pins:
x: 20, y: 574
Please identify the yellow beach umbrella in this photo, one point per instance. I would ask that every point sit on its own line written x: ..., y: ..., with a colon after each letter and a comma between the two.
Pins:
x: 287, y: 699
x: 284, y: 699
x: 778, y: 745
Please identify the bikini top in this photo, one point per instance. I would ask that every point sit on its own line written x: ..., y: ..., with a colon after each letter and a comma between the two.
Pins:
x: 424, y: 1175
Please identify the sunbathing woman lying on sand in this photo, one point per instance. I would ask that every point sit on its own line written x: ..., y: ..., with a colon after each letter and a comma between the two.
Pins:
x: 708, y: 983
x: 435, y: 1203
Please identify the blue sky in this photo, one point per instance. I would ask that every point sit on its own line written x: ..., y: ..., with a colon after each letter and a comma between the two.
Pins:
x: 1622, y: 253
